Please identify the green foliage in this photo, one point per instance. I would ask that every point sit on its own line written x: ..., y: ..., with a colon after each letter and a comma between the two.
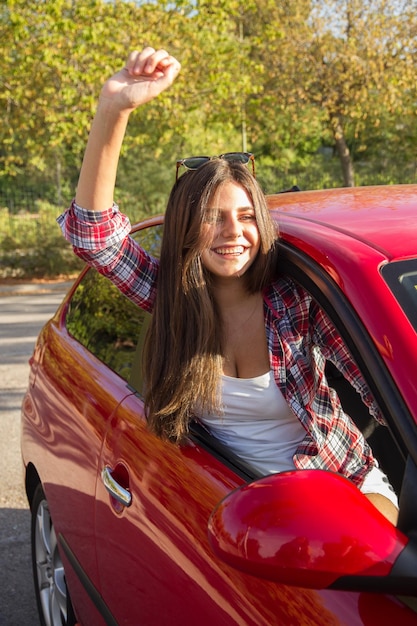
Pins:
x: 102, y: 319
x: 31, y: 245
x: 298, y: 83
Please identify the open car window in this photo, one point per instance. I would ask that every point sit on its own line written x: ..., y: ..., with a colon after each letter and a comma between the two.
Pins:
x: 387, y: 445
x: 384, y: 447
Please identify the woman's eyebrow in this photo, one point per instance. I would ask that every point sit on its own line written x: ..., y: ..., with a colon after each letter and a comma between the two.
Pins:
x: 239, y: 209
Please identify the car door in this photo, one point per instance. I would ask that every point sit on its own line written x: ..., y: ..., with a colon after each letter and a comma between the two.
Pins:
x: 86, y: 358
x: 154, y: 559
x: 155, y: 563
x: 153, y: 504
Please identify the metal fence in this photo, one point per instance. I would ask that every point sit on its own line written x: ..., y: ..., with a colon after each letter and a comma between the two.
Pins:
x: 16, y: 200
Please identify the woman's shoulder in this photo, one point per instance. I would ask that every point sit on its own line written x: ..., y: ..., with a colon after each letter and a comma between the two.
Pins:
x: 286, y: 293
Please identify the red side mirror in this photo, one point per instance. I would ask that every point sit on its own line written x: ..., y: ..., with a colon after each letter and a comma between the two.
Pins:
x: 306, y: 528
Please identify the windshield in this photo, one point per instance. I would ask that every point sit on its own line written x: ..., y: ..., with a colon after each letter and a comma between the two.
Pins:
x: 401, y: 277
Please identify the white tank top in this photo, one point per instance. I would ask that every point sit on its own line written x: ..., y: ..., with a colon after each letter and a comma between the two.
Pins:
x: 259, y: 426
x: 257, y: 423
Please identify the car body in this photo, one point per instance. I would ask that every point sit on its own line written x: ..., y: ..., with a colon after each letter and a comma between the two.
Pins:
x: 140, y: 531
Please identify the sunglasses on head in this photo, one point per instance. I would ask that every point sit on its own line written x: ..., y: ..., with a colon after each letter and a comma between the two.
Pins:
x: 193, y: 163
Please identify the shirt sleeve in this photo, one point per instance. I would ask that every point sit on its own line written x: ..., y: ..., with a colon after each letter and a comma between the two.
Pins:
x: 102, y: 240
x: 334, y: 349
x: 94, y: 230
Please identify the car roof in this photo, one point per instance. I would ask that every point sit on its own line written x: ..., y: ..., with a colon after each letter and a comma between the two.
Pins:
x: 383, y: 218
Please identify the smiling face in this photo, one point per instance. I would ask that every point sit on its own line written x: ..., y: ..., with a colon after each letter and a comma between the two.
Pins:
x: 232, y: 231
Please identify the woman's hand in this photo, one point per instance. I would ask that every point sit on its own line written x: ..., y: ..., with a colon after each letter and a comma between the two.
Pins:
x: 144, y: 77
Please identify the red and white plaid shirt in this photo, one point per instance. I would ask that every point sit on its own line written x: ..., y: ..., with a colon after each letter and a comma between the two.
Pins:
x: 300, y: 339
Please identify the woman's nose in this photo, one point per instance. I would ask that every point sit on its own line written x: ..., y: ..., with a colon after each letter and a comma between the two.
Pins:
x: 231, y: 227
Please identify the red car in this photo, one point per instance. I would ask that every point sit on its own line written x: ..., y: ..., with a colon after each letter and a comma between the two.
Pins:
x: 130, y: 530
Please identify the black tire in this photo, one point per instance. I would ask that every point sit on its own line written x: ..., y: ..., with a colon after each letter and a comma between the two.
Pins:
x: 52, y: 596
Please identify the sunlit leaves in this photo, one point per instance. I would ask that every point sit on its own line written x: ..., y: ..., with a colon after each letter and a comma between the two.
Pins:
x: 281, y: 78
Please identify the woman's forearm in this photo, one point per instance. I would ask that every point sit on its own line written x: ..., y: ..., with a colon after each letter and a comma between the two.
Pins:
x: 97, y: 178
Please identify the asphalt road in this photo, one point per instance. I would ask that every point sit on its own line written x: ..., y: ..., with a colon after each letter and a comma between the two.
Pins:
x: 23, y: 311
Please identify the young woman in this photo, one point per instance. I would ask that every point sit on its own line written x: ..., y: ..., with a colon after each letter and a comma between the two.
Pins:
x: 230, y: 343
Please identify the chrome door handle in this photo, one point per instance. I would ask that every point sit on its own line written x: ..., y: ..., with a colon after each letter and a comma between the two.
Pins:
x: 116, y: 490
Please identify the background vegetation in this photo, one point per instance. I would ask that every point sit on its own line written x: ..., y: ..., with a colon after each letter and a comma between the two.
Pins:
x: 322, y: 91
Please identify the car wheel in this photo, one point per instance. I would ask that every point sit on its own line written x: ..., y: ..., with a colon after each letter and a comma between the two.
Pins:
x: 52, y: 596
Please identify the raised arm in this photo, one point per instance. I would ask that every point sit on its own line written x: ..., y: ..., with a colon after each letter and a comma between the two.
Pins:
x: 145, y: 76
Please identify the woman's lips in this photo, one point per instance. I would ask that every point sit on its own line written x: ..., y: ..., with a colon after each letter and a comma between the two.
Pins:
x: 231, y: 250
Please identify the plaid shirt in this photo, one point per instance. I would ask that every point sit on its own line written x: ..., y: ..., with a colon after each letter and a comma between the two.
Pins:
x: 300, y: 339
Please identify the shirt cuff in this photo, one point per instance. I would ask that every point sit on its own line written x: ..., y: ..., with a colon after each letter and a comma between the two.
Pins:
x: 94, y: 230
x: 93, y: 217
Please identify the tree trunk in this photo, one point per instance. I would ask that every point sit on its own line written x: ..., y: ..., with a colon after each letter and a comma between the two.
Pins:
x: 343, y: 152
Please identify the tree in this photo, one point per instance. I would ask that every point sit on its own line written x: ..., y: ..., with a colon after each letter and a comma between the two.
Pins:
x: 332, y: 72
x: 353, y: 61
x: 279, y: 78
x: 55, y: 57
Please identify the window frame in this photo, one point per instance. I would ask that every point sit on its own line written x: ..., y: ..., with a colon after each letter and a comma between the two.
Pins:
x: 329, y: 296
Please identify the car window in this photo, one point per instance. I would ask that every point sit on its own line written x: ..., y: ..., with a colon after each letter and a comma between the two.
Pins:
x: 107, y: 323
x: 401, y: 277
x: 385, y: 442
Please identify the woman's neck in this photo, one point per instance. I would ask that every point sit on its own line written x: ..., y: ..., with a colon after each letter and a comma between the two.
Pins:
x: 230, y: 293
x: 233, y: 299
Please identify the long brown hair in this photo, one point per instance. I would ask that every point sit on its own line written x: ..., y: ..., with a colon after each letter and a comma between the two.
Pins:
x: 183, y: 354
